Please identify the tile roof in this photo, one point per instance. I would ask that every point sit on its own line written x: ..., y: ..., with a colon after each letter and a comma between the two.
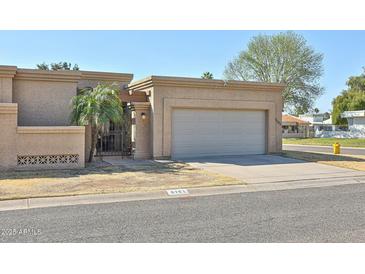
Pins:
x: 286, y: 118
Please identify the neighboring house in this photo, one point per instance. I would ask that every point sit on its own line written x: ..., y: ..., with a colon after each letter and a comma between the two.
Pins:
x: 293, y: 127
x: 170, y: 117
x: 319, y: 126
x: 329, y: 126
x: 317, y: 121
x: 355, y: 128
x: 329, y: 123
x: 355, y: 119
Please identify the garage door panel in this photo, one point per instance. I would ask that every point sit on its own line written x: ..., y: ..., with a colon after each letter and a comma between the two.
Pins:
x: 217, y: 132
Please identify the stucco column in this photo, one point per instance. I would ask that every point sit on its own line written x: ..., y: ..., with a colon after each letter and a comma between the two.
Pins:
x: 141, y: 130
x: 6, y: 83
x: 8, y: 126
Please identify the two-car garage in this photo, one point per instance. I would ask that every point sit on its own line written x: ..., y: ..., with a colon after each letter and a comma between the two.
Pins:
x: 192, y: 117
x: 209, y: 132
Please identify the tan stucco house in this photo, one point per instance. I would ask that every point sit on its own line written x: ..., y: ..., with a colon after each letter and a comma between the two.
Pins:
x: 170, y: 117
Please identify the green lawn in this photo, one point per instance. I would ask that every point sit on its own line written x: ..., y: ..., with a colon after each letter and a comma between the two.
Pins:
x: 346, y: 142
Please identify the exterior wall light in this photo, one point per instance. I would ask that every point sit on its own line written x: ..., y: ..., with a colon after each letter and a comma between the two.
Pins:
x: 143, y: 116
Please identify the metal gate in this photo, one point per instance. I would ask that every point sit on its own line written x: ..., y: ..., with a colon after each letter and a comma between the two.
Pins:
x: 115, y: 139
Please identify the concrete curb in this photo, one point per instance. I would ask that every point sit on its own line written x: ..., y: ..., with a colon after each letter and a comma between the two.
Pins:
x: 324, y: 146
x: 32, y: 203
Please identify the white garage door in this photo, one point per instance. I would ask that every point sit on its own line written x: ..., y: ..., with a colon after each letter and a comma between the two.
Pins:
x: 200, y: 132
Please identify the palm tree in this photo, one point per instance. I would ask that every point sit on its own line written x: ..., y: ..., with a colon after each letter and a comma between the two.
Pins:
x: 96, y: 107
x: 207, y: 75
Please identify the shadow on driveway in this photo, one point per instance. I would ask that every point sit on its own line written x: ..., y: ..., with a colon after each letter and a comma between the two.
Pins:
x: 245, y: 160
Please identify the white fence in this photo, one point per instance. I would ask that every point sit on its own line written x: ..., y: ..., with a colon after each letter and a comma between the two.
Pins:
x: 353, y: 133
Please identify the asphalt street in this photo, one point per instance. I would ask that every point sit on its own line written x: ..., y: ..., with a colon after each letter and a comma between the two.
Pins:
x: 328, y: 149
x: 326, y: 214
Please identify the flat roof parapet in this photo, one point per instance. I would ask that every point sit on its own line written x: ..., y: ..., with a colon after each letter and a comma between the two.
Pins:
x: 62, y: 75
x: 48, y: 75
x: 203, y: 83
x: 7, y: 71
x: 107, y: 76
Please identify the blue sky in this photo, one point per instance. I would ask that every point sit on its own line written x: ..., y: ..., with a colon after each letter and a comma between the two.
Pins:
x: 178, y: 53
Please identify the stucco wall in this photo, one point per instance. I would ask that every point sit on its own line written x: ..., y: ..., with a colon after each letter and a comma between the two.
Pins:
x: 44, y: 97
x: 8, y: 120
x: 35, y: 107
x: 6, y: 83
x: 43, y: 103
x: 141, y: 131
x: 93, y: 78
x: 57, y: 147
x: 38, y: 147
x: 210, y: 95
x: 6, y: 90
x: 217, y: 99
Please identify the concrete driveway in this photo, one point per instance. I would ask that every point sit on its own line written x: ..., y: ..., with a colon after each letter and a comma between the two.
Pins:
x: 258, y: 169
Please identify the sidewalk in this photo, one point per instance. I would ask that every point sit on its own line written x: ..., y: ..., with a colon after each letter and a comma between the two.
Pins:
x: 193, y: 192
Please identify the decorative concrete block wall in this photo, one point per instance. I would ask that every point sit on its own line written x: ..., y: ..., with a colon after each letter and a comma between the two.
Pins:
x: 50, y: 147
x: 38, y: 147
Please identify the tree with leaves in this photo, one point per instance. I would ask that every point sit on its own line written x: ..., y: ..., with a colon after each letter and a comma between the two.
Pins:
x: 96, y: 107
x: 282, y: 58
x: 353, y: 98
x: 57, y: 66
x: 43, y: 66
x: 207, y: 75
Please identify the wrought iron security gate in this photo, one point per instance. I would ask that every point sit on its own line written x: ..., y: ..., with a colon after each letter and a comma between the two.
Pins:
x: 115, y: 139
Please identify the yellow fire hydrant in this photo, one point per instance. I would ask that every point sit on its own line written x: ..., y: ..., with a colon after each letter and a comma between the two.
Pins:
x: 336, y: 148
